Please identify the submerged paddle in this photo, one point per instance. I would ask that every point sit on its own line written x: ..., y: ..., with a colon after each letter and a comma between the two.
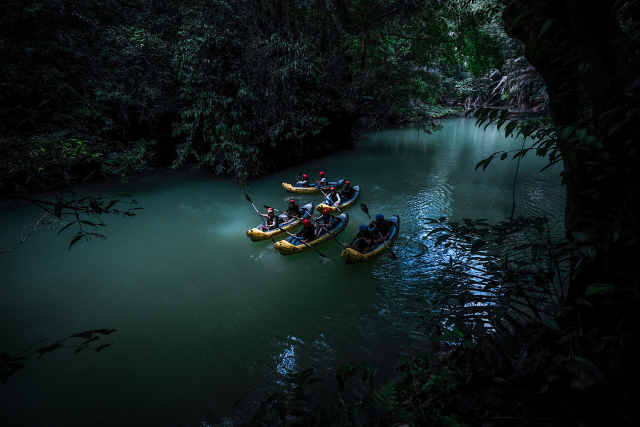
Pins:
x: 293, y: 235
x: 392, y: 254
x: 254, y: 207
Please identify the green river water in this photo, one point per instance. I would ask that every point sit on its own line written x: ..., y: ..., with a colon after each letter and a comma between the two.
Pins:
x: 205, y: 317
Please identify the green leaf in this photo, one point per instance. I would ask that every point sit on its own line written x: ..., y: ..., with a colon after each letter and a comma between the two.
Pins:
x: 477, y: 245
x: 567, y: 131
x: 550, y: 323
x: 546, y: 26
x: 508, y: 130
x: 75, y: 239
x: 580, y: 237
x: 584, y: 302
x: 599, y: 289
x: 589, y: 251
x: 592, y: 369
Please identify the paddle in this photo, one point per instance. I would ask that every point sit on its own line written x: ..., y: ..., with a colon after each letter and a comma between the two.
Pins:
x: 293, y: 235
x: 392, y: 254
x: 254, y: 207
x: 325, y: 196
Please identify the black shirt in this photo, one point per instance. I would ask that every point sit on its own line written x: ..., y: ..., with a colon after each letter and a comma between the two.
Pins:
x: 347, y: 193
x: 366, y: 234
x: 383, y: 226
x: 307, y: 233
x: 295, y: 211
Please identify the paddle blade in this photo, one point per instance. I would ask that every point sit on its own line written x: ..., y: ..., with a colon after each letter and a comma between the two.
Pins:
x: 392, y: 255
x: 364, y: 208
x: 248, y: 198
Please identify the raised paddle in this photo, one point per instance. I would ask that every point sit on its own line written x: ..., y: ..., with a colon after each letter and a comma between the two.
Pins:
x: 254, y: 207
x: 293, y: 235
x: 392, y: 254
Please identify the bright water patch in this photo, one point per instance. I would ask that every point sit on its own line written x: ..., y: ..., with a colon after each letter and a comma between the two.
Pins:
x: 205, y: 317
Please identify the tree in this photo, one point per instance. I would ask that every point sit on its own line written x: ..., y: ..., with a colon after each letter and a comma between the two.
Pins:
x: 588, y: 55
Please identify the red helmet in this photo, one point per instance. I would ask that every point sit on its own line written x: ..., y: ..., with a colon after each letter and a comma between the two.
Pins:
x: 347, y: 182
x: 270, y: 210
x: 304, y: 175
x: 306, y: 222
x: 321, y: 173
x: 326, y: 211
x: 333, y: 188
x: 292, y: 201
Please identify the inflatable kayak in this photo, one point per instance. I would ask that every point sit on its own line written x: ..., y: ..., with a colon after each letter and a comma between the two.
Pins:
x: 295, y: 188
x: 256, y: 235
x: 343, y: 203
x: 351, y: 256
x: 285, y: 247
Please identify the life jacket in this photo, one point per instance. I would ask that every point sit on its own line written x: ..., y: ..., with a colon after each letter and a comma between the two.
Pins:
x: 307, y: 233
x: 347, y: 193
x: 294, y: 210
x: 273, y: 221
x: 383, y: 226
x: 328, y: 223
x: 304, y: 183
x: 332, y: 199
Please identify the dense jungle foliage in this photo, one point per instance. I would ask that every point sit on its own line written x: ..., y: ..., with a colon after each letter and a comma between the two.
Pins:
x: 240, y: 87
x: 247, y: 87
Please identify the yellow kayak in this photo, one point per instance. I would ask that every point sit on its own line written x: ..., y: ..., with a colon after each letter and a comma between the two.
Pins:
x: 344, y: 204
x: 294, y: 188
x: 256, y: 235
x: 351, y: 256
x: 285, y: 247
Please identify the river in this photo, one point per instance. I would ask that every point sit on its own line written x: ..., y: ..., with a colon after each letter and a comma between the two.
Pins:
x: 204, y: 317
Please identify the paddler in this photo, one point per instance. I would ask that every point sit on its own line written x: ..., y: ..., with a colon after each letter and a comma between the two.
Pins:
x: 382, y: 226
x: 304, y: 182
x: 271, y: 222
x: 322, y: 181
x: 362, y: 241
x: 326, y: 221
x: 333, y: 198
x: 293, y: 211
x: 305, y: 235
x: 347, y: 192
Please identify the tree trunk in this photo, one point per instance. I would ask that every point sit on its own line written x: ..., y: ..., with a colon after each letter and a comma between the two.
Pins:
x: 589, y: 65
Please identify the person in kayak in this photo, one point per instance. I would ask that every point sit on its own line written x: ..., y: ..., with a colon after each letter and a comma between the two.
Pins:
x: 325, y: 221
x: 305, y: 235
x: 304, y: 182
x: 323, y: 180
x: 382, y: 226
x: 362, y: 241
x: 347, y: 192
x: 293, y: 211
x: 272, y: 221
x: 333, y: 199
